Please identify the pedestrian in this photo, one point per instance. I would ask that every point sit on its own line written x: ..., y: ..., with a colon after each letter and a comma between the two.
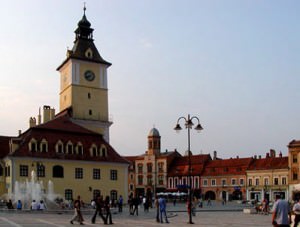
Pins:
x: 163, y: 209
x: 108, y: 217
x: 208, y: 202
x: 9, y: 204
x: 157, y: 208
x: 281, y: 213
x: 135, y: 206
x: 34, y: 205
x: 174, y: 201
x: 194, y: 205
x: 19, y: 205
x: 42, y: 205
x: 296, y: 210
x: 120, y: 203
x: 77, y: 209
x: 99, y: 205
x: 130, y: 202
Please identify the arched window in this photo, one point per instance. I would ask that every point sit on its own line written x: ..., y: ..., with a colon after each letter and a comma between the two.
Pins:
x: 59, y: 147
x: 58, y: 171
x: 93, y: 150
x: 33, y: 145
x: 68, y: 194
x: 96, y: 192
x: 79, y: 149
x: 113, y: 195
x: 103, y: 150
x: 44, y: 146
x: 69, y: 147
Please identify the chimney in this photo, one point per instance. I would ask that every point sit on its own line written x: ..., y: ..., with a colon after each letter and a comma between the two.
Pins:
x: 32, y: 122
x: 39, y: 117
x: 48, y: 114
x: 259, y: 157
x: 237, y: 157
x: 255, y: 156
x: 280, y: 154
x: 272, y: 153
x: 215, y: 155
x: 267, y: 155
x: 20, y: 132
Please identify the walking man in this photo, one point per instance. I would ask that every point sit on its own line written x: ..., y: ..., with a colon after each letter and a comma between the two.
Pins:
x: 99, y: 206
x: 281, y: 213
x: 163, y: 207
x: 78, y: 215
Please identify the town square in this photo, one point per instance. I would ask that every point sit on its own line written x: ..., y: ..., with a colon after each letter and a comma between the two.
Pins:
x: 117, y: 116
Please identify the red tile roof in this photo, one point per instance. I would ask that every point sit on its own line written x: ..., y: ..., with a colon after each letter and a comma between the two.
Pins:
x: 232, y: 166
x: 269, y: 163
x: 180, y: 165
x: 62, y: 128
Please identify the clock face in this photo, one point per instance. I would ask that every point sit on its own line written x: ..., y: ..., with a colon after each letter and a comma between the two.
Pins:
x: 89, y: 75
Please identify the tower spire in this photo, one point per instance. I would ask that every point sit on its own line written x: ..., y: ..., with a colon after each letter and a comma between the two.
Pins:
x: 84, y: 8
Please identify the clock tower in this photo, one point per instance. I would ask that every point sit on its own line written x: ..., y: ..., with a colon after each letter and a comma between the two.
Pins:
x: 83, y: 82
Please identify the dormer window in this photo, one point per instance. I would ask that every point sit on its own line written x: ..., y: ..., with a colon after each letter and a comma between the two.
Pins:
x: 33, y: 145
x: 79, y: 149
x: 103, y: 151
x: 59, y: 147
x: 69, y: 147
x: 44, y: 146
x: 89, y: 53
x: 94, y: 151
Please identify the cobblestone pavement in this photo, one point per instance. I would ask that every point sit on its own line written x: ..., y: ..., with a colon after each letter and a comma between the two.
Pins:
x: 208, y: 216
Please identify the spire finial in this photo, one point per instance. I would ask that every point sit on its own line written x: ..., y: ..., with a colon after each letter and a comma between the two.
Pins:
x: 84, y: 8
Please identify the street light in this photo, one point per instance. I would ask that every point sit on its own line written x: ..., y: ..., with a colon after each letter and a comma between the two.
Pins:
x: 189, y: 125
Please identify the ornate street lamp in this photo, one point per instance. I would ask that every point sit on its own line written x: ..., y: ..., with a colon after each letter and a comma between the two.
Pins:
x: 188, y: 122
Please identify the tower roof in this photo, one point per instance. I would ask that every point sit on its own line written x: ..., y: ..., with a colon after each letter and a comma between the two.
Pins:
x: 153, y: 132
x: 84, y: 47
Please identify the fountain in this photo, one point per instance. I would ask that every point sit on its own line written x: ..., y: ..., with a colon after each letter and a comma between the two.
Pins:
x: 34, y: 190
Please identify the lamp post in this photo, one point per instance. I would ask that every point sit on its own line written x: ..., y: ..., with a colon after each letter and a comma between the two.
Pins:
x: 188, y: 122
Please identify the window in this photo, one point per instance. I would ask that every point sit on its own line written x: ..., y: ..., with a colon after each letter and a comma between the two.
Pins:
x: 7, y: 171
x: 23, y: 171
x: 256, y: 181
x: 113, y: 195
x: 68, y: 194
x: 140, y: 180
x: 241, y: 181
x: 103, y: 150
x: 149, y: 180
x: 149, y: 167
x: 196, y: 183
x: 223, y: 182
x: 89, y: 95
x: 59, y: 147
x: 131, y: 176
x: 266, y: 181
x: 276, y: 180
x: 40, y: 170
x: 96, y: 193
x: 70, y: 147
x: 1, y: 170
x: 96, y: 174
x: 160, y: 167
x: 140, y: 168
x: 80, y: 149
x: 233, y: 181
x: 44, y: 146
x: 295, y: 158
x: 213, y: 182
x: 113, y: 174
x: 205, y: 182
x: 160, y: 179
x: 131, y: 187
x: 250, y: 182
x: 295, y: 176
x: 90, y: 112
x: 78, y: 173
x: 58, y: 171
x: 283, y: 181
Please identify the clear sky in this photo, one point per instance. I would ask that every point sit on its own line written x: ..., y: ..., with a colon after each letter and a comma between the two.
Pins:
x: 234, y: 64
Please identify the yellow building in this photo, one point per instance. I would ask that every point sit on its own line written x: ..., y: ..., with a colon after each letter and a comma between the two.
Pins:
x: 294, y: 170
x: 70, y: 149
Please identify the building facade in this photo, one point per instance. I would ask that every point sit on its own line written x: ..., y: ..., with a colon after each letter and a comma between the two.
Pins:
x: 70, y: 149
